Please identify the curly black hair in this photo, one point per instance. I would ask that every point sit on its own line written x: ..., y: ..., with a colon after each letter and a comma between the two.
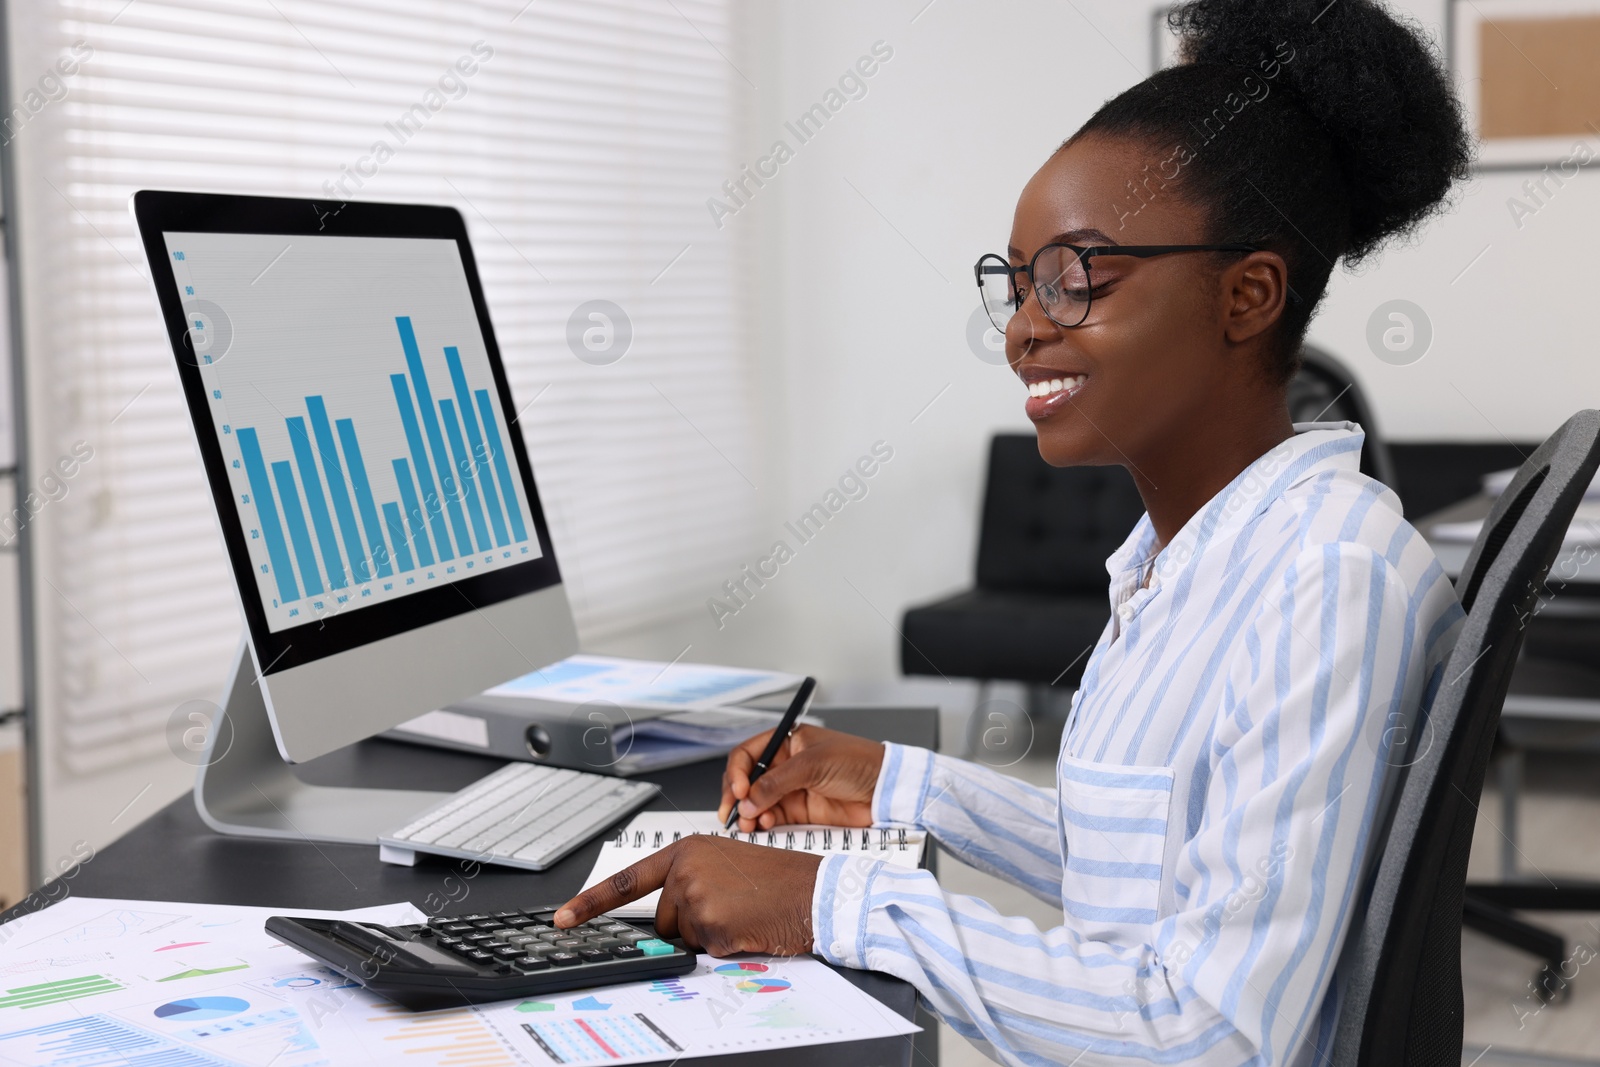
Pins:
x: 1317, y: 130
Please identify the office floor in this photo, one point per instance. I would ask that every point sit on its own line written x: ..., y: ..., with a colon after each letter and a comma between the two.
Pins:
x: 1506, y: 1025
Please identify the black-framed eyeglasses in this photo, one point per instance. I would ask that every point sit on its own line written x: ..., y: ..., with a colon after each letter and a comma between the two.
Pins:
x: 1061, y: 278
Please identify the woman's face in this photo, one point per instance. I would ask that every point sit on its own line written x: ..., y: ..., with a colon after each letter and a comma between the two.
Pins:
x: 1151, y: 356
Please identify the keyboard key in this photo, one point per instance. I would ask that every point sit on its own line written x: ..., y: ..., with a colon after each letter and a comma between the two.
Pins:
x: 490, y: 924
x: 635, y: 936
x: 568, y: 942
x: 478, y: 936
x: 564, y: 959
x: 457, y: 928
x: 530, y: 963
x: 590, y: 954
x: 522, y: 939
x: 508, y: 952
x: 617, y: 928
x: 652, y: 947
x: 515, y: 919
x: 477, y: 955
x: 626, y: 952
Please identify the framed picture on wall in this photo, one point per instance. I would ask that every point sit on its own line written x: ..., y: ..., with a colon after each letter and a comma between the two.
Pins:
x: 1528, y: 74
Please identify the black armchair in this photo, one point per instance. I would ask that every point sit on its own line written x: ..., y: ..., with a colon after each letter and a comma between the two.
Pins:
x: 1040, y: 599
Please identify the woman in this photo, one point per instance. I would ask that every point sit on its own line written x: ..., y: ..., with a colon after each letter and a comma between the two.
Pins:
x: 1277, y: 625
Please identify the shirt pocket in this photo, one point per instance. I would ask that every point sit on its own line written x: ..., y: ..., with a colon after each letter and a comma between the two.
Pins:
x: 1114, y: 829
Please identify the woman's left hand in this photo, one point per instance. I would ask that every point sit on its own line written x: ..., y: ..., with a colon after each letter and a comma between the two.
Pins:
x: 720, y: 896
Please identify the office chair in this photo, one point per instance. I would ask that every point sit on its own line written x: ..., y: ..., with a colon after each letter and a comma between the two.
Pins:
x: 1551, y: 705
x: 1401, y: 965
x: 1324, y: 390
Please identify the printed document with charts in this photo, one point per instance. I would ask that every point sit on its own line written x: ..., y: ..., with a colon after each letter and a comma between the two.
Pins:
x: 95, y: 983
x: 652, y: 830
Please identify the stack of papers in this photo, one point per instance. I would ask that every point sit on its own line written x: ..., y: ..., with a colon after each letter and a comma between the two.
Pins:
x: 96, y: 983
x: 671, y: 713
x: 685, y: 736
x: 644, y: 685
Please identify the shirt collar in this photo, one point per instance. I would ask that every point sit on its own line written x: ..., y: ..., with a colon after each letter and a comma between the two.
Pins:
x: 1316, y: 447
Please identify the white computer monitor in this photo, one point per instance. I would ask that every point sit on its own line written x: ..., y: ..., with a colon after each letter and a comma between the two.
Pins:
x: 371, y: 484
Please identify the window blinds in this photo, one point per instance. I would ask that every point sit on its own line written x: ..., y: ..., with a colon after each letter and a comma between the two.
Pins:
x: 580, y: 139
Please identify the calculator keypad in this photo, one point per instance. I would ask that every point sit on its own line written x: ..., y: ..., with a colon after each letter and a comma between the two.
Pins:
x: 531, y: 942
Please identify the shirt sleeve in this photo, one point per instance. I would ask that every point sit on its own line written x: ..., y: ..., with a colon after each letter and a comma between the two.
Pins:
x: 1238, y: 969
x: 990, y: 820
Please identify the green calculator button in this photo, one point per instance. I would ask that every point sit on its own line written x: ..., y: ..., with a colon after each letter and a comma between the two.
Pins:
x: 653, y: 947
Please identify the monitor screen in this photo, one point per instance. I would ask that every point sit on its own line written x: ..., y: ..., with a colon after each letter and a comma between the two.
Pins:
x: 351, y: 393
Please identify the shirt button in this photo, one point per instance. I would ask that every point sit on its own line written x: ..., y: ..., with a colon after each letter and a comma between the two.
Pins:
x: 1124, y: 612
x: 836, y: 948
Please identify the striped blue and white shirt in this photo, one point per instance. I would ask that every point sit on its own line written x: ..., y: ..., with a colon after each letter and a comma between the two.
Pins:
x: 1239, y: 723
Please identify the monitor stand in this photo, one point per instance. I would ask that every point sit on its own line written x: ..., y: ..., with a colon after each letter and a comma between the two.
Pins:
x: 244, y: 786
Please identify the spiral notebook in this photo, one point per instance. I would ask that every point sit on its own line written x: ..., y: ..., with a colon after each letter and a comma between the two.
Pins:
x: 653, y: 830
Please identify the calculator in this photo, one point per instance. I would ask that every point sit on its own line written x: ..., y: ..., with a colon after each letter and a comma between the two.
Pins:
x: 471, y: 959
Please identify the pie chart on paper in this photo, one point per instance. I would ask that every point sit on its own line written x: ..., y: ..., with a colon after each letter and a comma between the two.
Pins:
x: 196, y: 1009
x: 753, y: 977
x: 742, y: 968
x: 762, y: 985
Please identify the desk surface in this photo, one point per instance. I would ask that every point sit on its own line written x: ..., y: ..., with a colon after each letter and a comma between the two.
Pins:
x: 174, y: 856
x: 1579, y: 569
x: 1552, y: 702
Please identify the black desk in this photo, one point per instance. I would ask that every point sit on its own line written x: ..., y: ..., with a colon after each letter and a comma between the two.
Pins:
x: 173, y: 856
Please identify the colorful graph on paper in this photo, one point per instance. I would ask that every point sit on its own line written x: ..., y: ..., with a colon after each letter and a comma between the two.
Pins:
x: 165, y: 993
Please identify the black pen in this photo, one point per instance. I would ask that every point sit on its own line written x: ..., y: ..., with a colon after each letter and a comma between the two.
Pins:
x: 797, y: 708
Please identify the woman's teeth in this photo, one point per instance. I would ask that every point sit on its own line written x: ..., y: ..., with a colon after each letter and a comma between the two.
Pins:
x: 1056, y: 385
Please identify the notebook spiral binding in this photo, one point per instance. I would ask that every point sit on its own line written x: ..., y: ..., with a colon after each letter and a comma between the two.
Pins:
x: 885, y: 841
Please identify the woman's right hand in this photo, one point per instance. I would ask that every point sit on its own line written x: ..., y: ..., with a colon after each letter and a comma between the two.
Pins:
x: 818, y: 776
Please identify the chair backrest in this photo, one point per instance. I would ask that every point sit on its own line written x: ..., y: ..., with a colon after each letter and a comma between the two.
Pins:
x: 1049, y: 529
x: 1401, y: 968
x: 1324, y: 390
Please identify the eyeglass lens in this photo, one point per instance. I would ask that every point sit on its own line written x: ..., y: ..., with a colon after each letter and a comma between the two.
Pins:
x: 1060, y: 281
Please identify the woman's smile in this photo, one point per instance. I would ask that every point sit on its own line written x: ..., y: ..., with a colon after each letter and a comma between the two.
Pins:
x: 1048, y: 395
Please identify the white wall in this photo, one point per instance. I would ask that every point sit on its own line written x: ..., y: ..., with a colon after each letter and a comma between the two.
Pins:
x: 869, y: 234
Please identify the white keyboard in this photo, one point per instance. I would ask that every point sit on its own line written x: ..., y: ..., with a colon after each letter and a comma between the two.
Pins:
x: 523, y: 815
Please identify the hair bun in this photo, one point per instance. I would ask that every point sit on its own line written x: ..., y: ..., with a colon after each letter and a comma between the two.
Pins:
x: 1373, y: 81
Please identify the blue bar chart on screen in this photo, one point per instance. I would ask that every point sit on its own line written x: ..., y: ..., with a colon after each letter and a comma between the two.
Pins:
x: 395, y: 475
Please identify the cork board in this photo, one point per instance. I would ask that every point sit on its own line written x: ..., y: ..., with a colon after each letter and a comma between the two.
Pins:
x: 1539, y: 76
